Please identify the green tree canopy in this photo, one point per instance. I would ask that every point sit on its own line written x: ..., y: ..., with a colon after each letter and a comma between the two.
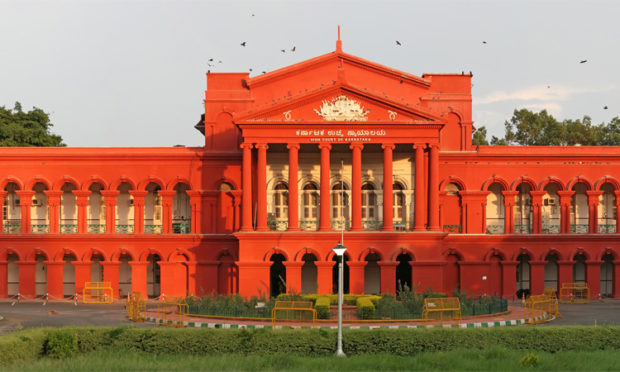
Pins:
x: 542, y: 129
x: 32, y: 128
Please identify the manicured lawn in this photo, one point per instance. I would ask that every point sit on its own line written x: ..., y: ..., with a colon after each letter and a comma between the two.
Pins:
x: 494, y: 359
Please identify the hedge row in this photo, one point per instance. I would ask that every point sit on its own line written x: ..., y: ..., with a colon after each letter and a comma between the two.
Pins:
x: 32, y: 344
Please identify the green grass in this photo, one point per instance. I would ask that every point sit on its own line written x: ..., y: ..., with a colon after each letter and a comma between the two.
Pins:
x: 494, y: 359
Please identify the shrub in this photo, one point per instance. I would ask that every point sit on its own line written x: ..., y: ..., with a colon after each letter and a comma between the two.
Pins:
x: 529, y: 360
x: 321, y: 306
x: 61, y: 344
x: 23, y: 345
x: 365, y: 308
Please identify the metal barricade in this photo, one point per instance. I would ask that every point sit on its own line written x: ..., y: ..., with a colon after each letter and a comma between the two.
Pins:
x: 446, y: 308
x: 293, y: 311
x: 576, y: 293
x: 537, y: 308
x: 135, y: 307
x: 97, y: 293
x: 172, y: 312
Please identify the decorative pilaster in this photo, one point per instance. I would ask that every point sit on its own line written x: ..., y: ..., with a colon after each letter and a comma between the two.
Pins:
x: 356, y: 276
x: 261, y: 182
x: 138, y: 210
x: 509, y: 202
x: 53, y: 201
x: 433, y: 188
x: 25, y: 200
x: 110, y: 274
x: 2, y: 196
x: 138, y: 277
x: 356, y: 188
x: 324, y: 276
x: 388, y: 192
x: 419, y: 187
x: 166, y: 209
x: 593, y: 211
x: 195, y: 202
x: 109, y: 199
x: 293, y: 194
x: 246, y: 220
x: 81, y: 200
x: 293, y: 276
x: 388, y: 276
x: 324, y: 217
x: 536, y: 212
x: 565, y: 200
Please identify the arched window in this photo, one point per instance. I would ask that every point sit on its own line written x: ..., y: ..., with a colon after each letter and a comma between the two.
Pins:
x: 495, y: 209
x: 369, y: 207
x: 579, y: 211
x: 607, y: 210
x: 12, y: 211
x: 340, y: 204
x: 523, y: 210
x: 310, y: 204
x: 550, y: 211
x: 398, y: 205
x: 280, y: 201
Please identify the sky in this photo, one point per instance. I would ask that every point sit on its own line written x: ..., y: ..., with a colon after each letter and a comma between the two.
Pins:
x: 132, y: 73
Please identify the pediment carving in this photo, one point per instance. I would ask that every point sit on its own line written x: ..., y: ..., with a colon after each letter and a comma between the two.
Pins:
x: 342, y: 108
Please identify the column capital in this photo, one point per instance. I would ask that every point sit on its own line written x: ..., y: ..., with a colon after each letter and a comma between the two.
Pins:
x: 388, y: 146
x: 261, y: 146
x: 138, y: 193
x: 433, y: 146
x: 356, y: 145
x: 246, y: 145
x: 291, y: 146
x: 109, y: 193
x: 53, y: 193
x: 419, y: 145
x: 167, y: 193
x: 25, y: 193
x: 325, y: 146
x: 81, y: 193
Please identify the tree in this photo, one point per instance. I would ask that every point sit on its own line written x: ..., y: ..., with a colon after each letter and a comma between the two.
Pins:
x: 32, y: 128
x: 480, y: 137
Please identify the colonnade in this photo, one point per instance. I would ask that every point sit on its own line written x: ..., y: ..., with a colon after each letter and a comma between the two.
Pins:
x: 426, y: 191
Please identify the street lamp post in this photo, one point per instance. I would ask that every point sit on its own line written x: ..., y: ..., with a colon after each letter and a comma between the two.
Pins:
x: 339, y: 249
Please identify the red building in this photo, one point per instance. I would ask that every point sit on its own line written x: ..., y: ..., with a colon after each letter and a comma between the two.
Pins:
x: 291, y: 158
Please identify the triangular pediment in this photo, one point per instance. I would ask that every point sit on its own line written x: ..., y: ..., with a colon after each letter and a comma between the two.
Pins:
x: 340, y: 103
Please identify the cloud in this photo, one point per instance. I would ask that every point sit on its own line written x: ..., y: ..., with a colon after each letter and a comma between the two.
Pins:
x: 539, y: 93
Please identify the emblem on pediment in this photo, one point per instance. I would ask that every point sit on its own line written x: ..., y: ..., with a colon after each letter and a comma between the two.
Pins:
x: 342, y: 108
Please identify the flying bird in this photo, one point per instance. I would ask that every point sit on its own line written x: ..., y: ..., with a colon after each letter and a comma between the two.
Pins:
x: 398, y: 42
x: 605, y: 108
x: 210, y: 59
x: 283, y: 50
x: 252, y: 14
x: 548, y: 86
x: 292, y: 50
x: 243, y: 44
x: 264, y: 72
x: 583, y: 61
x: 219, y: 61
x: 250, y: 69
x: 484, y: 42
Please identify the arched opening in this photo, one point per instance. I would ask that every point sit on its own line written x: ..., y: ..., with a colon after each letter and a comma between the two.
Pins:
x: 153, y: 276
x: 96, y: 268
x: 579, y: 214
x: 523, y: 210
x: 579, y: 269
x: 124, y: 275
x: 310, y: 204
x: 12, y: 270
x: 495, y: 213
x: 309, y: 274
x: 11, y: 211
x: 523, y: 275
x: 607, y: 275
x: 152, y: 209
x: 451, y: 209
x: 40, y: 275
x: 227, y: 275
x: 551, y: 272
x: 452, y: 273
x: 340, y: 206
x: 181, y: 210
x: 96, y: 209
x: 68, y: 209
x: 124, y: 209
x: 68, y: 275
x: 39, y: 210
x: 550, y: 211
x: 399, y: 207
x: 345, y: 274
x: 277, y: 275
x: 607, y: 210
x: 495, y: 278
x: 278, y: 219
x: 372, y: 274
x: 180, y: 273
x: 403, y: 271
x: 370, y: 217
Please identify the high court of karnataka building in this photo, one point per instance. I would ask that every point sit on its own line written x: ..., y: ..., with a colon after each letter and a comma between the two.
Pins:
x: 291, y: 158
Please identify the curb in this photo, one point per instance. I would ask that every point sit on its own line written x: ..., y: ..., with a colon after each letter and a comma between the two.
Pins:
x: 500, y: 323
